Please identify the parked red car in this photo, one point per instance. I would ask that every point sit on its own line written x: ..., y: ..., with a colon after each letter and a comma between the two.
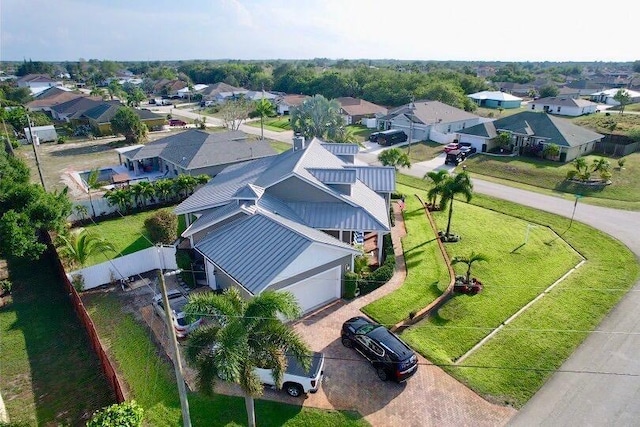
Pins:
x: 177, y: 122
x: 451, y: 146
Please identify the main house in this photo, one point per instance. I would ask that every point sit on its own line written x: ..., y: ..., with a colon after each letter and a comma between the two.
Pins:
x: 424, y: 120
x: 289, y: 222
x: 530, y: 131
x: 193, y: 152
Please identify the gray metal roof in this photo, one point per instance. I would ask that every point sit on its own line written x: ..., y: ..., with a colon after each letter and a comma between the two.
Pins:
x: 268, y: 203
x: 341, y: 149
x: 381, y: 179
x: 335, y: 176
x: 253, y: 251
x: 336, y: 216
x: 195, y: 149
x: 249, y: 192
x: 213, y: 216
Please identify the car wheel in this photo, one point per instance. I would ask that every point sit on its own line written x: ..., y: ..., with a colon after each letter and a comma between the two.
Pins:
x: 293, y: 390
x: 347, y: 342
x: 382, y: 374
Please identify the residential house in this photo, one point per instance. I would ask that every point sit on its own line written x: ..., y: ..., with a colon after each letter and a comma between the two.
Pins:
x: 51, y: 97
x: 285, y: 103
x: 211, y: 92
x: 37, y: 82
x: 99, y: 117
x: 568, y: 92
x: 495, y: 99
x: 289, y: 222
x: 195, y: 152
x: 607, y: 96
x: 585, y: 87
x: 564, y: 106
x: 170, y: 88
x: 353, y: 110
x: 530, y: 131
x: 429, y: 120
x: 74, y: 108
x: 185, y: 92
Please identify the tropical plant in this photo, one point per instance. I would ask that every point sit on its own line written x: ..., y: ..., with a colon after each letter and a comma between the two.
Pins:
x: 551, y: 150
x: 163, y: 189
x: 81, y: 211
x: 136, y: 193
x: 120, y: 198
x: 581, y: 170
x: 184, y: 185
x: 147, y: 191
x: 623, y: 97
x: 600, y: 165
x: 99, y: 92
x: 202, y: 179
x: 437, y: 178
x: 621, y: 162
x: 316, y: 117
x: 469, y: 260
x: 264, y: 108
x: 503, y: 139
x: 125, y: 414
x: 79, y: 245
x: 394, y: 157
x: 252, y: 334
x: 459, y: 184
x: 92, y: 184
x: 343, y: 134
x: 115, y: 89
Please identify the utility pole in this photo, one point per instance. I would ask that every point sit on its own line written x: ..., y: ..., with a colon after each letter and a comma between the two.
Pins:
x: 177, y: 363
x: 35, y: 150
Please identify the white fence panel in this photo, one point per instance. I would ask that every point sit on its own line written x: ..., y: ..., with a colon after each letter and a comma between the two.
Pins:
x: 100, y: 205
x: 163, y: 257
x: 442, y: 138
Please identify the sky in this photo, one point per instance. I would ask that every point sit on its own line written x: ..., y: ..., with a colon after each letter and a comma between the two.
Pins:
x: 452, y: 30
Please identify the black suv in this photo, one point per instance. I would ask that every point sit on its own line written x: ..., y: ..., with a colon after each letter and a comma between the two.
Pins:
x: 466, y: 149
x: 389, y: 355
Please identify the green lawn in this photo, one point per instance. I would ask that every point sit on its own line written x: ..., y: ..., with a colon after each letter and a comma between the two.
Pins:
x: 423, y: 151
x: 48, y: 373
x: 514, y: 364
x: 152, y: 381
x: 494, y: 113
x: 276, y: 124
x: 550, y: 175
x: 127, y: 234
x: 600, y: 122
x: 361, y: 132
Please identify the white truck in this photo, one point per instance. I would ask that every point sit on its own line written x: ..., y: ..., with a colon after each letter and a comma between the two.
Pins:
x: 297, y: 380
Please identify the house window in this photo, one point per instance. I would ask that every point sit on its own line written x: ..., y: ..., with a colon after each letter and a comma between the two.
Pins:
x: 558, y: 110
x: 499, y: 103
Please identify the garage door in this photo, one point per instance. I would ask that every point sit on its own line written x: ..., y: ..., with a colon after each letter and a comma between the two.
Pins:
x: 317, y: 291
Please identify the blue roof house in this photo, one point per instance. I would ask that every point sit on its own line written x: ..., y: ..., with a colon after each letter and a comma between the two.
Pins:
x: 289, y: 222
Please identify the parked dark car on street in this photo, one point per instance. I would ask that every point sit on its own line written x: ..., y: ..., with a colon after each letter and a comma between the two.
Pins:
x: 177, y: 122
x: 391, y: 357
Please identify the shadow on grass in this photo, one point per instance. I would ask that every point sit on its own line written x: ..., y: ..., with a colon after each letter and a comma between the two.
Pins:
x: 64, y: 375
x: 83, y: 150
x: 139, y: 244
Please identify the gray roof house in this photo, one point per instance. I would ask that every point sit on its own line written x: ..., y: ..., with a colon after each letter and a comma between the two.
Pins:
x: 428, y: 120
x: 195, y: 152
x: 289, y: 222
x: 530, y: 131
x: 563, y: 106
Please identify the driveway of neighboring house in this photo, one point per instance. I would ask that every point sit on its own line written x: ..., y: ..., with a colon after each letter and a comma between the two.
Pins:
x: 431, y: 397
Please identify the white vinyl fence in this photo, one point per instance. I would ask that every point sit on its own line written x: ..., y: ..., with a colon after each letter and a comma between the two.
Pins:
x: 442, y: 138
x: 157, y: 257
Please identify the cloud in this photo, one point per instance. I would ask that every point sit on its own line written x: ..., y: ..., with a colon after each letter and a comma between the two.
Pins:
x: 242, y: 14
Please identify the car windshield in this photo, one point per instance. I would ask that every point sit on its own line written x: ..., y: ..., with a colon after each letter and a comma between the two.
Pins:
x: 365, y: 329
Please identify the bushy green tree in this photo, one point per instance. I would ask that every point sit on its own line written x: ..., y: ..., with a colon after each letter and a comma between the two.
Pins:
x: 394, y: 157
x: 125, y: 414
x: 162, y: 227
x: 316, y: 117
x: 127, y: 123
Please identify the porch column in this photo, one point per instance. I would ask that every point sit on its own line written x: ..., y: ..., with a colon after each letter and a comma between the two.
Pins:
x: 380, y: 245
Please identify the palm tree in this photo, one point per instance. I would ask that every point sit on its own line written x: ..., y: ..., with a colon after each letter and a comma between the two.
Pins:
x: 184, y: 185
x: 343, y: 135
x: 473, y: 257
x: 452, y: 186
x: 146, y: 191
x: 163, y: 188
x: 600, y: 165
x: 98, y: 91
x: 80, y: 245
x: 437, y: 177
x: 202, y: 179
x: 92, y: 184
x: 252, y: 334
x: 264, y: 108
x: 81, y: 211
x: 120, y: 198
x: 136, y: 192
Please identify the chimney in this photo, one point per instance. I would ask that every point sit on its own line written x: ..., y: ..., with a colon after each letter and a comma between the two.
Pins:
x: 298, y: 142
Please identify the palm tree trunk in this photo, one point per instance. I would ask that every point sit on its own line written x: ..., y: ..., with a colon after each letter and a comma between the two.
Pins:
x: 261, y: 127
x: 91, y: 203
x: 251, y: 411
x: 450, y: 215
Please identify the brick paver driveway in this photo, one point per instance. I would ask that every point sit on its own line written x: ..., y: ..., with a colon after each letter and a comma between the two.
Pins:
x: 429, y: 398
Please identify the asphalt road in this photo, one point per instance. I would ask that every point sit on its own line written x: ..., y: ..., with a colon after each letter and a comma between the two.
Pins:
x: 600, y: 385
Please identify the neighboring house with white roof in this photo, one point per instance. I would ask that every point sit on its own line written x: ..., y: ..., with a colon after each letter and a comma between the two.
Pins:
x: 495, y: 99
x: 185, y: 92
x: 424, y: 120
x: 288, y: 222
x: 530, y: 131
x: 607, y: 96
x: 285, y: 103
x: 37, y: 82
x: 195, y: 152
x: 564, y: 106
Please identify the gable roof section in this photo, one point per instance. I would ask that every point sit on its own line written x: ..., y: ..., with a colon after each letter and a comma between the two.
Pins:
x: 194, y: 149
x: 77, y: 105
x: 242, y: 250
x: 219, y: 87
x: 339, y: 149
x: 381, y: 179
x: 359, y: 107
x: 292, y: 100
x: 431, y: 112
x: 335, y: 176
x: 49, y: 98
x: 555, y: 129
x: 564, y: 101
x: 494, y: 95
x: 35, y: 78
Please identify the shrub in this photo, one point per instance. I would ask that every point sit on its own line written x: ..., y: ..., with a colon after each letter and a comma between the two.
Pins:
x: 62, y: 139
x: 5, y: 287
x: 162, y: 227
x: 350, y: 284
x: 125, y: 414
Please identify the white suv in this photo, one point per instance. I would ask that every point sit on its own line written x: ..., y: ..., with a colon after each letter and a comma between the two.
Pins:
x: 297, y: 380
